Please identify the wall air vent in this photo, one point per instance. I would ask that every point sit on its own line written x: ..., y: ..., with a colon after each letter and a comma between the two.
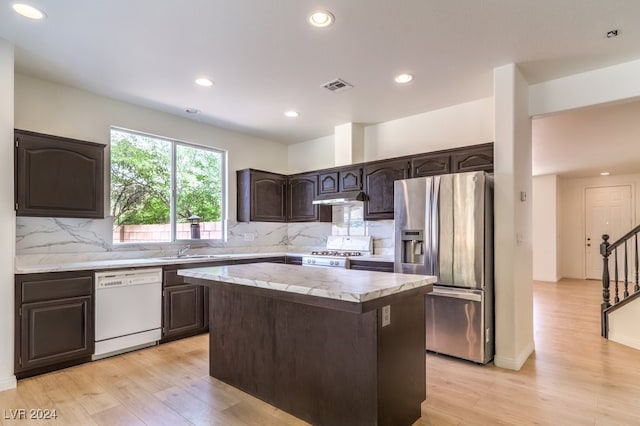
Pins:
x: 338, y: 85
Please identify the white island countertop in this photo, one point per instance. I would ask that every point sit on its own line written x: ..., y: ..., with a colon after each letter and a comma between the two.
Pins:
x: 332, y: 283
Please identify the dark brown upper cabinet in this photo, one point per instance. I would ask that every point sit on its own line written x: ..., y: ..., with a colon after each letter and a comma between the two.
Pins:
x: 292, y: 201
x: 378, y: 185
x: 350, y: 179
x: 473, y: 159
x: 58, y: 177
x: 430, y: 165
x: 347, y: 179
x: 261, y: 196
x: 328, y: 183
x: 302, y: 190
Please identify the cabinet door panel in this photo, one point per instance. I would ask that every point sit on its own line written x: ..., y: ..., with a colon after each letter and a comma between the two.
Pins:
x: 261, y: 196
x: 56, y: 331
x: 350, y: 180
x: 183, y: 309
x: 302, y: 191
x: 328, y: 183
x: 430, y: 165
x: 58, y: 177
x: 378, y: 181
x: 474, y: 159
x: 267, y: 198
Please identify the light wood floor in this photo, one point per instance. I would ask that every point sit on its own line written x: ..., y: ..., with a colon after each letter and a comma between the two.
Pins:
x: 574, y: 378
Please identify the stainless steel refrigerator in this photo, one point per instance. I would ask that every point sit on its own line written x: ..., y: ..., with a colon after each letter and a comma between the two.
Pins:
x: 444, y: 227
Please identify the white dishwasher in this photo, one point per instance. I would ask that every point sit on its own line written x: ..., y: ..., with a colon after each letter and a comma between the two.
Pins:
x: 128, y: 310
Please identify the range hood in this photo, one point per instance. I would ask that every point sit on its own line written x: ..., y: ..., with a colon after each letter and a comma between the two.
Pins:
x: 340, y: 198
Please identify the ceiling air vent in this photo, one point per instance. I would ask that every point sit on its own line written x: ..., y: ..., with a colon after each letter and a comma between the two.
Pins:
x: 338, y: 85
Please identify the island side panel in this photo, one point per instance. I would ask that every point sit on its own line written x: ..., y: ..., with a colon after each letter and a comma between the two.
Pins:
x: 241, y: 341
x: 327, y: 370
x: 401, y: 362
x: 315, y: 363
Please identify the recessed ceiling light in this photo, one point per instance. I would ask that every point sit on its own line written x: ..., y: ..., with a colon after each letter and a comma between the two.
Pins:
x: 604, y: 174
x: 292, y: 114
x: 321, y: 18
x: 28, y: 11
x: 403, y: 78
x: 204, y: 82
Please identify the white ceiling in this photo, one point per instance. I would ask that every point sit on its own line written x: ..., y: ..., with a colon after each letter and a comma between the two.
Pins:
x: 265, y: 58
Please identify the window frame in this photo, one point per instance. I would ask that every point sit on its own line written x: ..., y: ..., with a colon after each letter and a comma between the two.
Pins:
x: 173, y: 190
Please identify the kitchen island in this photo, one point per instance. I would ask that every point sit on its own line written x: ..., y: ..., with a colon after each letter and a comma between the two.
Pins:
x: 331, y: 346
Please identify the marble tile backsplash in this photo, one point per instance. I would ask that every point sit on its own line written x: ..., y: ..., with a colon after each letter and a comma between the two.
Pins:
x: 59, y: 239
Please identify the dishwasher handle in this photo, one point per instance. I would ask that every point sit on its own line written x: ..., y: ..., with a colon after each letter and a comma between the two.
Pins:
x: 457, y: 294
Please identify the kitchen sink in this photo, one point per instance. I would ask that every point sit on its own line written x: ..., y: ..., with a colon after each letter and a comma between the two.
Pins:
x: 195, y: 256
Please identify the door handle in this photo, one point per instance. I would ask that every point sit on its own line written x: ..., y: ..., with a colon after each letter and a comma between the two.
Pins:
x: 476, y: 297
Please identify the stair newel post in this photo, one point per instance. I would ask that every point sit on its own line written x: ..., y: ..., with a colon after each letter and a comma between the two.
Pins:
x: 626, y: 272
x: 616, y: 299
x: 604, y: 251
x: 637, y: 286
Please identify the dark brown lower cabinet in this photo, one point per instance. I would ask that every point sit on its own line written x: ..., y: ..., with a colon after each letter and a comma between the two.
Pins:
x: 294, y: 260
x: 183, y: 311
x: 368, y: 265
x: 185, y: 307
x: 280, y: 259
x: 54, y: 321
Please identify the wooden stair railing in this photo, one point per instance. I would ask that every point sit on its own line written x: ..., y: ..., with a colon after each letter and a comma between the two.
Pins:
x: 606, y: 249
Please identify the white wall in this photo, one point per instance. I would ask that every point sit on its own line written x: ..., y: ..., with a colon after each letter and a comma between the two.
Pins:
x: 512, y: 171
x: 544, y: 201
x: 465, y: 124
x: 601, y: 86
x: 470, y: 123
x: 311, y: 155
x: 46, y: 107
x: 7, y: 217
x: 572, y: 218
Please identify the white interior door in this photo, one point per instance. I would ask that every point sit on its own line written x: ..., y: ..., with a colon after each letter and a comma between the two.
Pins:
x: 607, y: 211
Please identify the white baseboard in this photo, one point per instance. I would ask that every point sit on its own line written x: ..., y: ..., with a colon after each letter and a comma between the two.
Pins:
x: 8, y: 383
x: 514, y: 363
x: 632, y: 342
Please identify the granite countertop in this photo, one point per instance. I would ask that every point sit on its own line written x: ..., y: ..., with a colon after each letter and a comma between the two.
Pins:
x: 102, y: 264
x: 332, y: 283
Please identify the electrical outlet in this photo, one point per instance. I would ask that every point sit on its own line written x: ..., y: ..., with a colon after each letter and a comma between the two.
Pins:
x: 249, y: 236
x: 386, y: 315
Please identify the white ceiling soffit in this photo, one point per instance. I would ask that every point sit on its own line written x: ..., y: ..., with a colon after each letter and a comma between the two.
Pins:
x: 588, y: 141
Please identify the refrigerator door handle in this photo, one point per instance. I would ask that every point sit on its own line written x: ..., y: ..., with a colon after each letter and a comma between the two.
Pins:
x: 435, y: 227
x: 475, y: 297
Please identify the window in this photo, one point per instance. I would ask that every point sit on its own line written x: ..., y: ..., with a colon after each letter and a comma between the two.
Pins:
x: 164, y: 190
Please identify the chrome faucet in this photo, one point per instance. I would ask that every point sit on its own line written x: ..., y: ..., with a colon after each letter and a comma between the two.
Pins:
x: 182, y: 251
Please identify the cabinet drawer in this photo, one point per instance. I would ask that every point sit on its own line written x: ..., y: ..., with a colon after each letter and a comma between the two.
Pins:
x: 364, y: 265
x: 171, y: 278
x: 33, y: 288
